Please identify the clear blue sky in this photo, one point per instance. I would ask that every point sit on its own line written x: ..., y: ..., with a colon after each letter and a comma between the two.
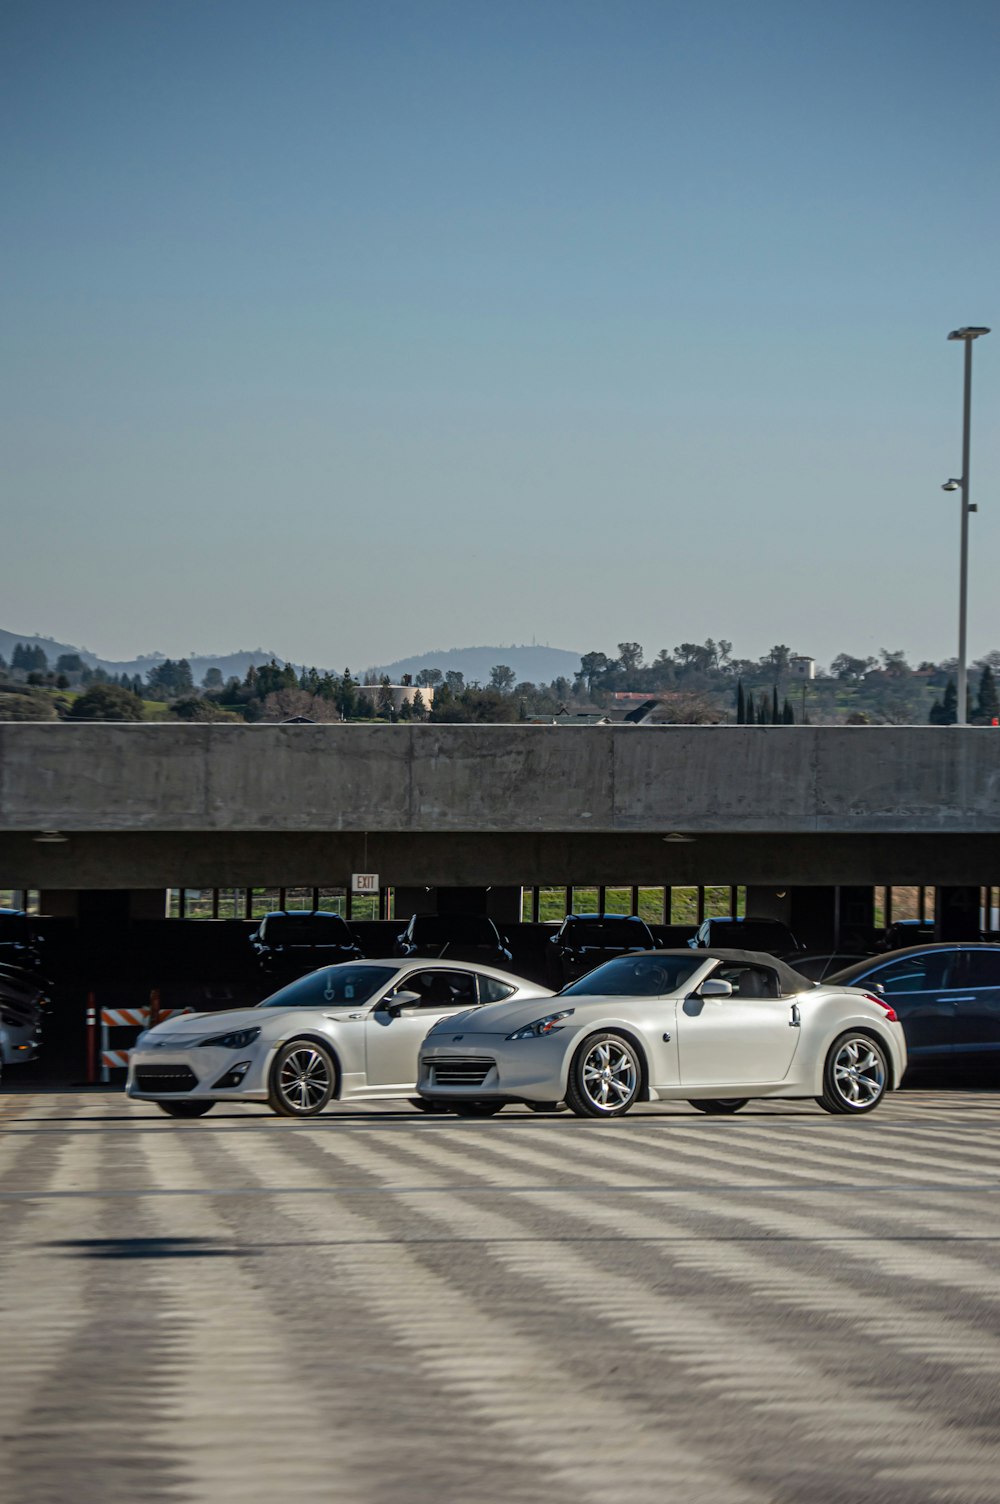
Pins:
x: 357, y: 329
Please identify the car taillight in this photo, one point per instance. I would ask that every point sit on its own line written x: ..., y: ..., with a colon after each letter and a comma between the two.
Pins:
x: 887, y: 1008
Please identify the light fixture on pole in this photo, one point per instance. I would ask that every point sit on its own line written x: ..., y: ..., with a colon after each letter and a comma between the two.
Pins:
x: 956, y: 485
x: 966, y: 335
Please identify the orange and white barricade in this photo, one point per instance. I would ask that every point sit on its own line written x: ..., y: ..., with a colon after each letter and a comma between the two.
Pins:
x: 135, y: 1019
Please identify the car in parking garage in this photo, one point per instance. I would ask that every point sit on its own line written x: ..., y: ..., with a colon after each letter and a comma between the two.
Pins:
x: 583, y: 941
x: 903, y: 933
x: 20, y: 942
x: 350, y: 1032
x: 470, y: 937
x: 947, y: 997
x: 770, y: 935
x: 23, y: 997
x: 290, y: 941
x: 717, y: 1029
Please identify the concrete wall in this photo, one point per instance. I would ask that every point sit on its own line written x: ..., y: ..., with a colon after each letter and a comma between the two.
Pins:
x: 504, y: 779
x: 148, y: 806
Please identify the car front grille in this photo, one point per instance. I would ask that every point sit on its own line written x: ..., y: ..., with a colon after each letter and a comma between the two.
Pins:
x: 163, y: 1078
x: 460, y: 1070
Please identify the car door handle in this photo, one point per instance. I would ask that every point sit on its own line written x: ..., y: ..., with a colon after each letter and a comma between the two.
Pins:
x: 796, y: 1019
x: 956, y: 999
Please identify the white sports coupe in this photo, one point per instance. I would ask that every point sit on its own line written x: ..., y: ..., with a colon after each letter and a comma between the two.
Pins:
x: 351, y: 1031
x: 715, y: 1028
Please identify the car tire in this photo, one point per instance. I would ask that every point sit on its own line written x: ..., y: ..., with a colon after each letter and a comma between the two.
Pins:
x: 483, y: 1109
x: 855, y: 1075
x: 185, y: 1109
x: 303, y: 1079
x: 718, y: 1105
x: 605, y: 1077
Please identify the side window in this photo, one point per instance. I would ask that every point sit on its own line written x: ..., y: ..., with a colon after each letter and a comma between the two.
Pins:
x: 493, y: 991
x: 750, y: 981
x: 913, y: 973
x: 442, y: 989
x: 980, y: 968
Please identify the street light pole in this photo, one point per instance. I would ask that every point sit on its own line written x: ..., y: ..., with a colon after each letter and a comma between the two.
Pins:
x: 966, y: 336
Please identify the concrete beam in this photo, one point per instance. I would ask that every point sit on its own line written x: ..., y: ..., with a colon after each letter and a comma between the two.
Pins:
x: 153, y: 859
x: 524, y: 780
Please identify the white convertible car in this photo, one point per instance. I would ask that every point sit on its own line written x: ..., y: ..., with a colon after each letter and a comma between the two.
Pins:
x: 351, y: 1031
x: 716, y: 1028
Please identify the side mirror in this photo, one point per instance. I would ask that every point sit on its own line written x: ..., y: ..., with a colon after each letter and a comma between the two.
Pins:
x: 715, y: 987
x: 394, y: 1005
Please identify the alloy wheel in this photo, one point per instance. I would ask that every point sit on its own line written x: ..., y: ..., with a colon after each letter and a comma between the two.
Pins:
x: 610, y: 1074
x: 304, y: 1079
x: 857, y: 1073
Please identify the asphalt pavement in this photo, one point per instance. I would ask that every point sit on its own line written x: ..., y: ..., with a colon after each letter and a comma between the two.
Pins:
x: 383, y: 1306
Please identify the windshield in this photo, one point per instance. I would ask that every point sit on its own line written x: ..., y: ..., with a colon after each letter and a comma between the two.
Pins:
x: 459, y: 930
x: 753, y: 934
x: 305, y: 929
x: 608, y: 932
x: 332, y: 985
x: 636, y: 976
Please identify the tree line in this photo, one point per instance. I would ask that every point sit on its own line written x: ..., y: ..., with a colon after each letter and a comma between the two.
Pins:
x: 695, y: 682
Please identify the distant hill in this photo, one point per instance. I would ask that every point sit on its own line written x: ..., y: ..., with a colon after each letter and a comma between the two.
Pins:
x: 536, y: 665
x: 52, y: 649
x: 227, y: 663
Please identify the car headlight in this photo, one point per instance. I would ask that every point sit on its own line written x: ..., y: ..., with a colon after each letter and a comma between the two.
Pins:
x: 237, y: 1040
x: 550, y: 1024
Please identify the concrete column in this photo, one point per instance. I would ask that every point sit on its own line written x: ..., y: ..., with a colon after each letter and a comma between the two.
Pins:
x: 812, y: 917
x: 769, y: 903
x: 114, y: 904
x: 147, y: 903
x: 503, y: 905
x: 956, y: 913
x: 58, y: 903
x: 820, y: 916
x: 855, y: 918
x: 410, y: 901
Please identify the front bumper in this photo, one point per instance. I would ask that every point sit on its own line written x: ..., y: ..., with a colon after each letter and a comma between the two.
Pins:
x: 18, y: 1047
x: 492, y: 1067
x: 196, y: 1072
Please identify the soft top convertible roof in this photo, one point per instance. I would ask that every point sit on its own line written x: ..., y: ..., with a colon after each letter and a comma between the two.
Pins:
x: 790, y: 980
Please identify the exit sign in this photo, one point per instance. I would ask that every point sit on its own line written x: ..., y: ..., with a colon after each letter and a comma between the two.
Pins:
x: 364, y: 882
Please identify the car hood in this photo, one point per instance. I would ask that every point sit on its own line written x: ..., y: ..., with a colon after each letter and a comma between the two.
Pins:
x: 195, y: 1024
x: 501, y: 1018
